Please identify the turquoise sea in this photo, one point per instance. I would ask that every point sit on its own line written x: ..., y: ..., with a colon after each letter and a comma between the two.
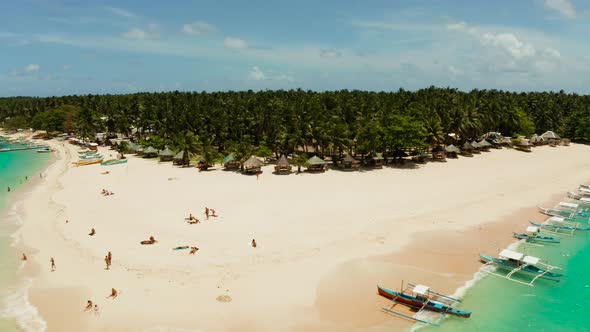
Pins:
x: 500, y: 305
x: 14, y: 168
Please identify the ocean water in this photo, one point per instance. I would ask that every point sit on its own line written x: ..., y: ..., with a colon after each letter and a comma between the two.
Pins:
x: 500, y: 305
x: 15, y: 312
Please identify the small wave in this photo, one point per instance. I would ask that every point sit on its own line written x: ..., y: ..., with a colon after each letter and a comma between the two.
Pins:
x: 17, y: 307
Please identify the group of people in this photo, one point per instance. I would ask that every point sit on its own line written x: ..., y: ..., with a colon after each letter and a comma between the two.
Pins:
x: 108, y: 259
x: 208, y: 213
x: 106, y: 192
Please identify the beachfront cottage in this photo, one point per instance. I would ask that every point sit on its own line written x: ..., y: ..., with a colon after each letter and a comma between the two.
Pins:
x: 283, y: 166
x: 377, y: 160
x: 452, y: 151
x: 551, y: 138
x: 230, y: 162
x: 166, y: 155
x: 476, y: 147
x: 253, y: 165
x: 349, y: 163
x: 438, y: 153
x: 484, y: 145
x: 467, y: 149
x: 316, y: 164
x: 150, y: 152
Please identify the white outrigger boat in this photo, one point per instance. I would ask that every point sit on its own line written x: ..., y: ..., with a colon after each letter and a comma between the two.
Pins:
x: 559, y: 225
x: 519, y: 263
x: 582, y: 200
x: 533, y: 235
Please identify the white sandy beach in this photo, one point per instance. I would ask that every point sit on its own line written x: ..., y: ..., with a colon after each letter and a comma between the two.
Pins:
x: 319, y: 236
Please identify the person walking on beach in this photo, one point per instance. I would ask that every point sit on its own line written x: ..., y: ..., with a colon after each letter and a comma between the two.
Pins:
x: 193, y: 250
x: 114, y: 294
x: 207, y: 212
x: 89, y: 305
x: 106, y: 261
x: 52, y: 264
x: 110, y: 256
x: 257, y: 175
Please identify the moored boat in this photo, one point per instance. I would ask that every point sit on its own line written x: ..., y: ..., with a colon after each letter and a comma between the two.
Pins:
x: 533, y: 235
x: 421, y: 301
x: 88, y: 162
x: 515, y: 262
x: 113, y: 162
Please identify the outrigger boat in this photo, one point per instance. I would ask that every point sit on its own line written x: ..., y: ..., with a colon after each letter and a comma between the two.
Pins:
x: 516, y: 262
x: 533, y: 235
x: 581, y: 199
x: 90, y: 156
x: 420, y: 298
x: 113, y: 162
x: 559, y: 225
x: 88, y: 162
x: 578, y: 217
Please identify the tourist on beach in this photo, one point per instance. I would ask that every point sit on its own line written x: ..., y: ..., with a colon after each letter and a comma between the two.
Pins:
x: 113, y: 294
x: 253, y: 243
x: 106, y: 261
x: 193, y: 221
x: 52, y: 264
x: 152, y: 240
x: 207, y: 212
x: 92, y: 232
x: 67, y: 221
x: 110, y: 256
x: 96, y: 312
x: 213, y: 213
x: 24, y: 257
x: 193, y: 250
x: 257, y: 175
x: 89, y: 305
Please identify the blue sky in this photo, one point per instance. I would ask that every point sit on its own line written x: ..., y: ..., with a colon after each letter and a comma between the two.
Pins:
x: 60, y: 47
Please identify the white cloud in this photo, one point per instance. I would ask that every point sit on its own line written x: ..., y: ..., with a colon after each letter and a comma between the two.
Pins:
x: 152, y: 31
x: 551, y: 52
x: 237, y: 43
x: 563, y: 7
x: 199, y: 28
x: 66, y: 67
x: 330, y: 53
x: 120, y: 12
x: 455, y: 71
x: 257, y: 74
x: 509, y: 43
x: 32, y: 68
x: 458, y: 26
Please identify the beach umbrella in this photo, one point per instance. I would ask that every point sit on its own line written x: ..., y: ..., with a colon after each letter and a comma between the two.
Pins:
x: 348, y: 159
x: 166, y: 153
x: 484, y: 143
x: 179, y: 156
x: 475, y: 145
x: 467, y: 146
x: 150, y: 150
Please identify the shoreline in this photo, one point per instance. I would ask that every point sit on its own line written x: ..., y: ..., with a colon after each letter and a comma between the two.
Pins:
x: 226, y: 265
x: 19, y: 310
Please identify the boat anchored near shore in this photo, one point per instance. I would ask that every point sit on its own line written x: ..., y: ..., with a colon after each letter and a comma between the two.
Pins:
x: 518, y: 263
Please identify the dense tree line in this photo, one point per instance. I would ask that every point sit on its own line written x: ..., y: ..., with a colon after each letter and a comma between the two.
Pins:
x: 357, y: 122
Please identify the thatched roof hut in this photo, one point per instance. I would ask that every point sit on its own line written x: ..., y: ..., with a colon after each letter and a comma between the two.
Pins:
x: 166, y: 155
x: 467, y: 149
x: 283, y: 165
x: 452, y: 149
x: 550, y: 135
x: 348, y: 162
x: 484, y: 145
x: 252, y: 165
x: 439, y: 153
x: 179, y: 158
x: 230, y: 162
x: 316, y: 164
x: 150, y: 152
x: 377, y: 159
x: 523, y: 145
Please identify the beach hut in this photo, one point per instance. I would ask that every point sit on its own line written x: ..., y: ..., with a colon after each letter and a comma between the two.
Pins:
x: 476, y: 147
x: 452, y: 151
x: 93, y: 146
x: 377, y: 160
x: 166, y: 155
x: 316, y: 164
x: 283, y: 166
x: 150, y: 152
x: 438, y: 153
x: 252, y: 165
x: 230, y: 162
x: 399, y: 155
x: 467, y: 149
x: 484, y: 145
x: 551, y: 138
x: 179, y: 158
x: 523, y: 145
x: 349, y: 163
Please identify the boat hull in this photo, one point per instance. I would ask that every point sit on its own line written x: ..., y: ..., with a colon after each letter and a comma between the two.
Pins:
x: 114, y: 162
x: 529, y: 270
x: 415, y: 303
x: 536, y: 239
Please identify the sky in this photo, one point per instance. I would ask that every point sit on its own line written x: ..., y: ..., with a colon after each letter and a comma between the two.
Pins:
x: 63, y: 47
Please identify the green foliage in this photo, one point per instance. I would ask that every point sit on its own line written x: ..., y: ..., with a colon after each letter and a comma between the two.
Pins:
x: 157, y: 142
x: 17, y: 122
x: 62, y: 119
x: 299, y: 160
x: 582, y: 132
x: 263, y: 151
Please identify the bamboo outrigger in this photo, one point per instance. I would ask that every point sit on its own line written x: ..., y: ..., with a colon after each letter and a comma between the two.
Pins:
x: 518, y: 263
x: 420, y: 298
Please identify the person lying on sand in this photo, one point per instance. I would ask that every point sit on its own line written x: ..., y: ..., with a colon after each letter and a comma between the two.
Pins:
x: 89, y: 305
x: 113, y: 294
x: 193, y: 250
x: 180, y: 248
x: 152, y: 240
x: 213, y: 213
x: 92, y: 232
x: 193, y: 221
x: 105, y: 172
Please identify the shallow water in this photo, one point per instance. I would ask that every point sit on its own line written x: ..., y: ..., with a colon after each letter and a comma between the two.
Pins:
x: 500, y: 305
x: 14, y: 308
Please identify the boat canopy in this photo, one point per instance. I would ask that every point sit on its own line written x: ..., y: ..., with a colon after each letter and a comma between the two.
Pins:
x: 531, y: 260
x: 507, y: 253
x: 421, y: 289
x: 558, y: 219
x: 585, y: 190
x: 570, y: 205
x: 532, y: 229
x: 585, y: 199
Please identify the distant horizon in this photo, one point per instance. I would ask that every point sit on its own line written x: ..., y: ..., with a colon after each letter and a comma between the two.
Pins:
x: 71, y: 48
